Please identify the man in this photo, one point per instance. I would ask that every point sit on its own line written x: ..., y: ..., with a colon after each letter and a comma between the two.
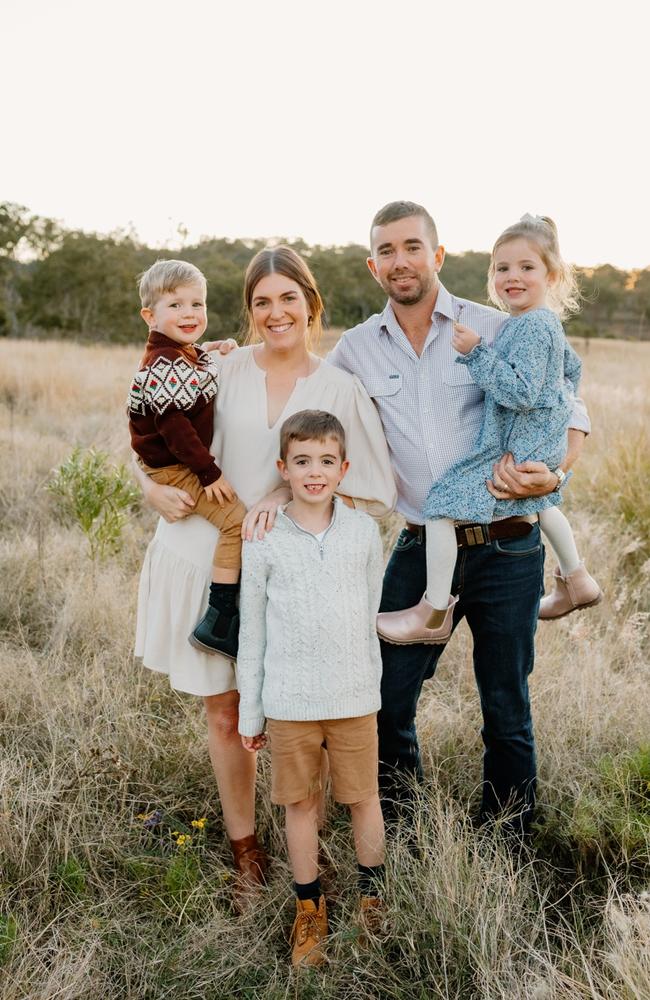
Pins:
x: 431, y: 411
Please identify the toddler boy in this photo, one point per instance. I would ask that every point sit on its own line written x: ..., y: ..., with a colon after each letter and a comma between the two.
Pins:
x: 309, y: 665
x: 171, y: 420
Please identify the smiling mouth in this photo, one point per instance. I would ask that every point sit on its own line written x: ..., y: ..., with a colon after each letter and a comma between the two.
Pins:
x: 282, y: 328
x: 314, y: 487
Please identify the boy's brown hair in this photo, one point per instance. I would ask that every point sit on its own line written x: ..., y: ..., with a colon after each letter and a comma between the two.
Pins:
x: 311, y: 425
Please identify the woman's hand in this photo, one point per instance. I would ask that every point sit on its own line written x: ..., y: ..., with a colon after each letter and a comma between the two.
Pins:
x: 261, y: 517
x: 464, y: 340
x: 172, y: 503
x: 253, y: 743
x: 516, y: 482
x: 223, y: 346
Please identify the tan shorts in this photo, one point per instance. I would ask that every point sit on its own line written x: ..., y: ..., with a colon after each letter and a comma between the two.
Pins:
x: 296, y: 758
x: 226, y: 518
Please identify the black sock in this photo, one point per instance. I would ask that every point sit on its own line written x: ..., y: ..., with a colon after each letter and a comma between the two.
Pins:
x: 371, y: 880
x: 223, y: 597
x: 308, y: 890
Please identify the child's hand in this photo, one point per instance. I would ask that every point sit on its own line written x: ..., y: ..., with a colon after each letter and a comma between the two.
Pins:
x: 464, y: 339
x: 221, y: 491
x: 222, y: 346
x: 253, y: 743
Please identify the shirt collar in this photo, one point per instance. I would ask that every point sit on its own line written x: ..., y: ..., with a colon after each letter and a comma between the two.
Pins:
x: 157, y: 340
x: 444, y: 307
x: 444, y: 304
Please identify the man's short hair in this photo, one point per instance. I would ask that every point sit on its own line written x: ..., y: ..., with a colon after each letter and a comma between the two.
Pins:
x: 311, y: 425
x: 166, y: 276
x: 396, y: 210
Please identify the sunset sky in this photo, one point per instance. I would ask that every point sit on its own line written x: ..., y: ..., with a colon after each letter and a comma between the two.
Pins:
x: 297, y: 118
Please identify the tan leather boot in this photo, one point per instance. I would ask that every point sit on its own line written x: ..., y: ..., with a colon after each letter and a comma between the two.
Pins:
x: 372, y: 920
x: 309, y: 932
x: 421, y: 623
x: 570, y: 593
x: 251, y: 862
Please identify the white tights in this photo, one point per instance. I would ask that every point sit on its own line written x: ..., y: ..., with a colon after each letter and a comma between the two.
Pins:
x: 442, y: 552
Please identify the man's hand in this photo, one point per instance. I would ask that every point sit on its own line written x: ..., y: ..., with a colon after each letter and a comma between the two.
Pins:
x: 464, y: 339
x: 222, y: 346
x: 261, y: 517
x: 516, y: 482
x: 253, y: 743
x: 221, y: 491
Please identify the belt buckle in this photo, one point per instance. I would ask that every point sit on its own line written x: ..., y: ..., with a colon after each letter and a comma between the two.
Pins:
x: 474, y: 535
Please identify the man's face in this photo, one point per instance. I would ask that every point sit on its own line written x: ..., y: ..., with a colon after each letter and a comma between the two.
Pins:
x: 403, y: 261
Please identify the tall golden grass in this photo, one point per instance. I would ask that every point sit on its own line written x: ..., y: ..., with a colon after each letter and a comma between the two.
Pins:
x: 93, y: 905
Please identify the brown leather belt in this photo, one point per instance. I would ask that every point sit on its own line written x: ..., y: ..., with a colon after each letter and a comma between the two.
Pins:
x: 482, y: 534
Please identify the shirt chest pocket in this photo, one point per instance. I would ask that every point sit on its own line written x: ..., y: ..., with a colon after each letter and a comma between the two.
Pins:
x: 458, y: 375
x: 383, y: 386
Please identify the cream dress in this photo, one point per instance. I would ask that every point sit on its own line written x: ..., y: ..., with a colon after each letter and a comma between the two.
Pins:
x: 176, y: 574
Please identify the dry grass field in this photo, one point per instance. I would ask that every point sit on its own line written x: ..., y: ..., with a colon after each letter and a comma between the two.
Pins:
x: 93, y: 905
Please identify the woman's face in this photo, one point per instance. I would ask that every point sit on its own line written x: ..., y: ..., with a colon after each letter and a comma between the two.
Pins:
x: 280, y: 313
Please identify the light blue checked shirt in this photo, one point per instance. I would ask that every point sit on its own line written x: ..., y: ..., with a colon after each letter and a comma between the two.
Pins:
x: 430, y: 408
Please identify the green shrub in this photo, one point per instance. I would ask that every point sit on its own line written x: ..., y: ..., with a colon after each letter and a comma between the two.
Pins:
x: 95, y: 495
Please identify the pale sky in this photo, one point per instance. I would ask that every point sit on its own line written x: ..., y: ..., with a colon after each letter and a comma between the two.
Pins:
x: 296, y: 118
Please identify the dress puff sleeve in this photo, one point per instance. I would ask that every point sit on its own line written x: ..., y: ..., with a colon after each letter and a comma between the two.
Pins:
x: 369, y: 480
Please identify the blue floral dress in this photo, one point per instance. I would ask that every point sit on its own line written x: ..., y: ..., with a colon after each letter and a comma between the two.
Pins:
x: 527, y: 409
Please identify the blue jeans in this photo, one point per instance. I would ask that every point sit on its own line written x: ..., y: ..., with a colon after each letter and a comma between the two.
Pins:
x: 499, y: 586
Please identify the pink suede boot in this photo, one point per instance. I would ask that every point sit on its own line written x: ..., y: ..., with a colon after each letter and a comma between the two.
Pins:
x: 421, y: 623
x: 570, y: 593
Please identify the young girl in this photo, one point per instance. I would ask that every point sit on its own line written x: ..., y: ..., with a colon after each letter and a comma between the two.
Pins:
x: 527, y: 408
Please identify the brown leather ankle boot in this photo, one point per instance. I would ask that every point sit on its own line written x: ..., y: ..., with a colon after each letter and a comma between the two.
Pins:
x: 251, y: 860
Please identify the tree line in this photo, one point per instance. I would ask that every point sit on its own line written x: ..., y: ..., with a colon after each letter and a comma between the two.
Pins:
x: 67, y: 283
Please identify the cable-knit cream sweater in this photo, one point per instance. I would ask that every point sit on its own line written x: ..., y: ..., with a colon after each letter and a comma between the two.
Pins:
x: 308, y: 648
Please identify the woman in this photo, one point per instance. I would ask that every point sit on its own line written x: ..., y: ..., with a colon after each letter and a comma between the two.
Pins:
x: 260, y: 385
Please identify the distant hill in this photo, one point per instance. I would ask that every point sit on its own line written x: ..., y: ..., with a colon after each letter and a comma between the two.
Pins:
x: 76, y: 285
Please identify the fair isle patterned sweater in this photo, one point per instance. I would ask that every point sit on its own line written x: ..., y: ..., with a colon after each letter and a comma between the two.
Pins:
x: 308, y: 649
x: 171, y: 407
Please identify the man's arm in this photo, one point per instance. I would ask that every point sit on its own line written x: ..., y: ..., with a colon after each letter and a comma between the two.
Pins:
x: 532, y: 479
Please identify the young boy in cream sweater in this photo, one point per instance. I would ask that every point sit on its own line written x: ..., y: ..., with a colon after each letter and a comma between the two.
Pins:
x: 309, y: 665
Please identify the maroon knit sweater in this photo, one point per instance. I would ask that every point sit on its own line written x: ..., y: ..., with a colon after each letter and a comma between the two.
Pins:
x: 171, y: 407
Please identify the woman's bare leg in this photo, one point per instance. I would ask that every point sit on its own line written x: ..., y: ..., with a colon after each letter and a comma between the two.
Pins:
x: 234, y: 767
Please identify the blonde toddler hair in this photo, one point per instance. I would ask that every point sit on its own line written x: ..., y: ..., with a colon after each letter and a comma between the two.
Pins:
x: 563, y: 295
x: 166, y: 276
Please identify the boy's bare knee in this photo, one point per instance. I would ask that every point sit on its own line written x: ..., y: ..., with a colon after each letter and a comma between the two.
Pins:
x: 305, y: 806
x: 368, y: 803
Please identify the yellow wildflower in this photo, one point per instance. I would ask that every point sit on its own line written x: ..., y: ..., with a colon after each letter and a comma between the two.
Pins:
x: 199, y: 824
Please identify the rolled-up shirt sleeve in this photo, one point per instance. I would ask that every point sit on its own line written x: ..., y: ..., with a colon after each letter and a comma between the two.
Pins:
x: 579, y: 420
x: 370, y: 480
